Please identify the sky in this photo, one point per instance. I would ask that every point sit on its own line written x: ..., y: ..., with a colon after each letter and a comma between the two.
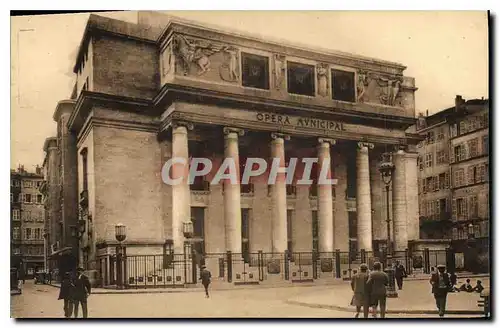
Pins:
x: 446, y: 52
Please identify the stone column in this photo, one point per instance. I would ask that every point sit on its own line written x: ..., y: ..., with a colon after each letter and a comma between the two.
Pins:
x: 399, y: 201
x: 363, y: 197
x: 232, y: 193
x: 325, y: 200
x: 412, y: 209
x: 278, y: 196
x: 181, y: 207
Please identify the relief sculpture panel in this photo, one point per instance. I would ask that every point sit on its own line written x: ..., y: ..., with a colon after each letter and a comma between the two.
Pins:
x: 379, y: 89
x: 206, y: 59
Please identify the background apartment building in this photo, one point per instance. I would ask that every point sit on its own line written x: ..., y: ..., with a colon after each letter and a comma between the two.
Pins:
x: 27, y: 220
x: 454, y: 179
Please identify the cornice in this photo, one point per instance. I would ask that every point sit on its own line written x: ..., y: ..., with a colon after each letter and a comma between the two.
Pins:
x: 88, y: 100
x: 171, y: 92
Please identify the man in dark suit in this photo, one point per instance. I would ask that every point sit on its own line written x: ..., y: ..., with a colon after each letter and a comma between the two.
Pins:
x: 376, y: 286
x: 399, y: 274
x: 81, y: 292
x: 441, y: 285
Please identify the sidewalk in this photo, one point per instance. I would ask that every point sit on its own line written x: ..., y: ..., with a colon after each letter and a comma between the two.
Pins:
x: 222, y: 285
x: 415, y: 298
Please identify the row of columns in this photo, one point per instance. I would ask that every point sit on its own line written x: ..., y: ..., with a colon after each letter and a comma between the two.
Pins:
x: 232, y: 203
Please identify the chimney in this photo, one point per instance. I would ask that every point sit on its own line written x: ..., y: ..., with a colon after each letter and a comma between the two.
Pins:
x: 426, y: 113
x: 38, y: 170
x: 459, y: 102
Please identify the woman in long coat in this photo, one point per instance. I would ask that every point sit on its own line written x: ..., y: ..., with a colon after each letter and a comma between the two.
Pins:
x: 358, y: 285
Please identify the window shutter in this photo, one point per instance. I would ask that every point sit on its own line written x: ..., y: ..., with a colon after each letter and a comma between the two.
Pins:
x: 447, y: 180
x: 466, y: 207
x: 424, y: 186
x: 436, y: 183
x: 454, y: 208
x: 470, y: 175
x: 452, y: 155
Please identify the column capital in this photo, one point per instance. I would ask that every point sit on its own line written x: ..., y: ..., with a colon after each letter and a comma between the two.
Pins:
x: 322, y: 140
x: 277, y: 135
x: 227, y: 130
x: 179, y: 123
x: 363, y: 144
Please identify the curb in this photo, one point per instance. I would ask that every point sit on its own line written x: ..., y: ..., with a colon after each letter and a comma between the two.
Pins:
x: 345, y: 309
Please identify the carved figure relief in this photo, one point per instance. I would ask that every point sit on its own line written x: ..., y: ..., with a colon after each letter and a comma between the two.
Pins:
x: 229, y: 70
x: 322, y: 74
x: 390, y: 90
x: 362, y: 84
x: 196, y: 52
x: 166, y: 61
x: 279, y: 71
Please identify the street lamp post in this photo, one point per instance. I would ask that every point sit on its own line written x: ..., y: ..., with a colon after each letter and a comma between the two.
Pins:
x: 471, y: 244
x: 120, y: 235
x: 386, y: 169
x: 77, y: 232
x: 188, y: 231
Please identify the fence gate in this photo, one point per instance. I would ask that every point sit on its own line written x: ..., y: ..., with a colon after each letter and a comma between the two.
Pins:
x: 301, y: 266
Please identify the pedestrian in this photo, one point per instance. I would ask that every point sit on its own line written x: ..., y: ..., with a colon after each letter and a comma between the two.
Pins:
x: 66, y: 293
x: 479, y: 287
x: 399, y: 274
x: 441, y: 284
x: 453, y: 282
x: 82, y: 291
x: 467, y: 287
x: 376, y: 287
x: 49, y: 277
x: 358, y: 286
x: 205, y: 277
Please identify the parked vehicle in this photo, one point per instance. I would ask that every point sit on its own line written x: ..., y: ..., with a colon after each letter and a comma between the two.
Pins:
x: 16, y: 284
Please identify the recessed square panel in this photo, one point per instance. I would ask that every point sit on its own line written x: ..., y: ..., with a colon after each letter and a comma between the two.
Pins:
x: 343, y: 85
x: 255, y: 71
x: 300, y: 79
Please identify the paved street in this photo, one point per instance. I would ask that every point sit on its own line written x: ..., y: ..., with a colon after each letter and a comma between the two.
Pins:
x: 40, y: 301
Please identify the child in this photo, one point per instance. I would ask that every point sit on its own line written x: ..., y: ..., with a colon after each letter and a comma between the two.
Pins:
x: 467, y: 287
x: 205, y: 276
x: 479, y: 287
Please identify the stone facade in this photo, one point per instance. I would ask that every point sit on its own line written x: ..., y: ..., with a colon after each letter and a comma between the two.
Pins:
x: 186, y: 94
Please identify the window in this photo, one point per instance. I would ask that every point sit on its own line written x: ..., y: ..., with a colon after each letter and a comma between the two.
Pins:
x: 440, y: 157
x: 27, y: 184
x: 443, y: 206
x: 454, y: 233
x: 39, y: 199
x: 16, y: 233
x: 84, y: 168
x: 459, y: 178
x: 20, y: 198
x: 26, y: 215
x: 255, y: 72
x: 343, y: 85
x: 27, y: 198
x: 424, y: 186
x: 453, y: 130
x: 300, y: 79
x: 11, y: 197
x: 486, y: 145
x: 27, y: 233
x: 440, y: 134
x: 428, y: 160
x: 430, y: 137
x: 245, y: 234
x: 420, y: 163
x: 481, y: 176
x: 462, y: 128
x: 315, y: 230
x: 442, y: 181
x: 36, y: 234
x: 472, y: 148
x: 446, y: 180
x: 473, y: 206
x: 289, y: 230
x: 430, y: 183
x: 16, y: 215
x: 471, y: 175
x: 419, y: 186
x: 460, y: 154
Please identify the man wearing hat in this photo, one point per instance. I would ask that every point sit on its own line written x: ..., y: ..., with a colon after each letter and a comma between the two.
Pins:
x: 441, y: 285
x: 205, y: 276
x: 358, y: 286
x: 81, y: 292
